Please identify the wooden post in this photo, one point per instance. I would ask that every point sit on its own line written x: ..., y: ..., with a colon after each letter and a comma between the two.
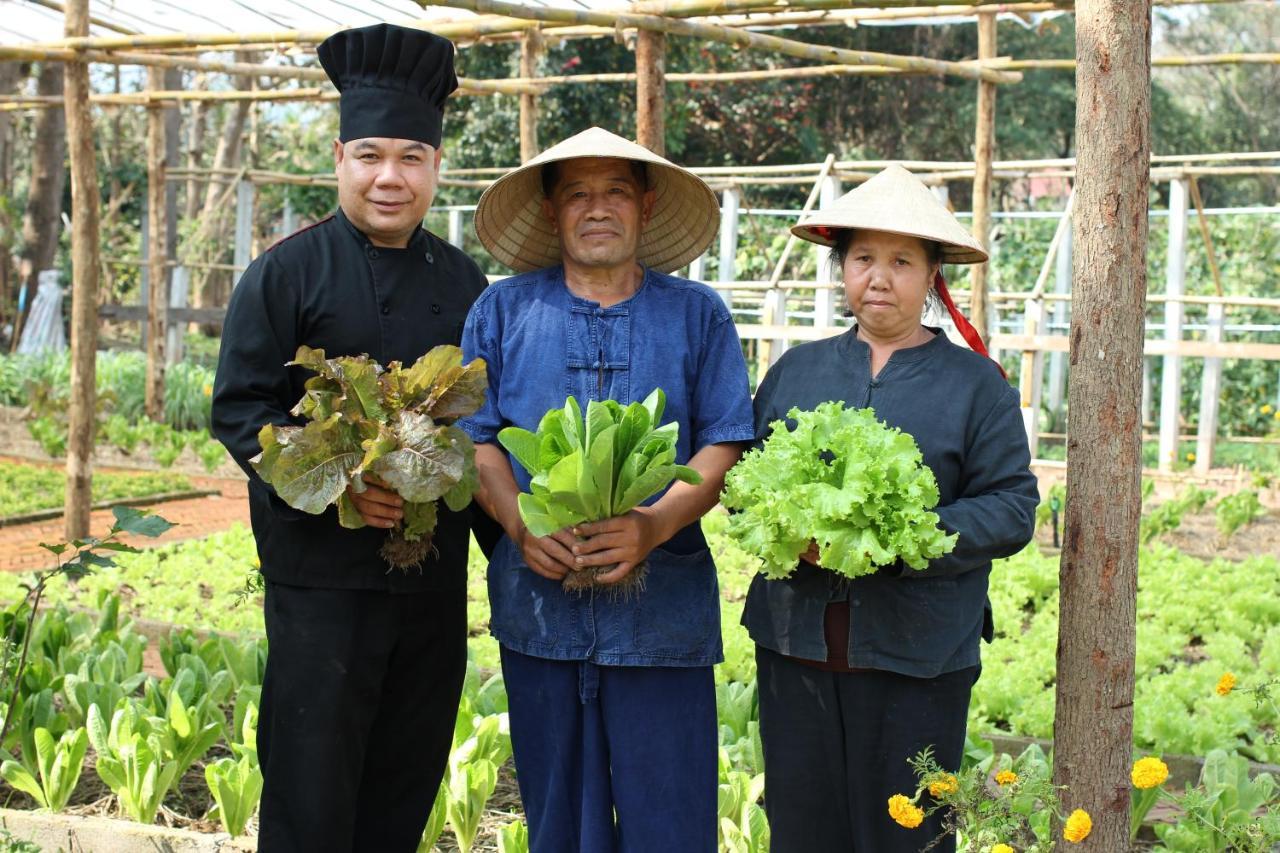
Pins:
x: 244, y: 227
x: 983, y: 151
x: 178, y: 299
x: 455, y: 228
x: 530, y: 50
x: 1175, y: 285
x: 85, y: 201
x: 158, y: 301
x: 651, y: 59
x: 730, y: 202
x: 824, y: 299
x: 1210, y: 388
x: 1093, y: 724
x: 1057, y: 363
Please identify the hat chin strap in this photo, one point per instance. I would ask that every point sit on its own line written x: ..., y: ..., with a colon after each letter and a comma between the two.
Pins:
x: 963, y: 326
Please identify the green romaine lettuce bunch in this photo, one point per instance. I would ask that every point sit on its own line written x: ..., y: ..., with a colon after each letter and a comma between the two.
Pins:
x: 394, y: 423
x: 597, y: 466
x: 857, y: 487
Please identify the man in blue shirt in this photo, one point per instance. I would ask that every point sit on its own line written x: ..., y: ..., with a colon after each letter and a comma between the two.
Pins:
x: 612, y: 701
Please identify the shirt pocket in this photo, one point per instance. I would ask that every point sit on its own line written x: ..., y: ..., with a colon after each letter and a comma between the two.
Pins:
x: 678, y: 611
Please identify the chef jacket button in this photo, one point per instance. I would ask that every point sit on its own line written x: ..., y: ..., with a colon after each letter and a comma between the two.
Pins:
x: 430, y: 258
x: 371, y: 252
x: 386, y: 309
x: 435, y: 309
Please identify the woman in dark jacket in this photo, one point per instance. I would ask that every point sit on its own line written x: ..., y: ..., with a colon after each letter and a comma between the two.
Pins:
x: 858, y: 676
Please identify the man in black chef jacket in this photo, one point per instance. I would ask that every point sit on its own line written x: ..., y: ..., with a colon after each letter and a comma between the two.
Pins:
x: 366, y: 664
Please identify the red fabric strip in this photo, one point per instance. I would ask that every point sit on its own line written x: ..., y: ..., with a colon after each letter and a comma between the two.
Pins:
x: 966, y: 329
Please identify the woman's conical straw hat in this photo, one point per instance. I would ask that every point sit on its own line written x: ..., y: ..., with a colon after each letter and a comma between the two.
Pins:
x: 898, y: 202
x: 511, y: 225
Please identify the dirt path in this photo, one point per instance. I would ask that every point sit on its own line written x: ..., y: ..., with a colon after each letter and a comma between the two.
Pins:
x: 20, y: 549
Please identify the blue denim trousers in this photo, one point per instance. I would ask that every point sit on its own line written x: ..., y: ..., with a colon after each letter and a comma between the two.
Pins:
x: 614, y: 759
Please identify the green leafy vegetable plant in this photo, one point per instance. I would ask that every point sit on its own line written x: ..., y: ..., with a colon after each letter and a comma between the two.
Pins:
x: 394, y: 424
x: 470, y: 787
x: 589, y: 468
x: 513, y: 837
x: 236, y: 783
x: 133, y: 759
x: 59, y: 764
x: 840, y: 478
x: 1237, y: 510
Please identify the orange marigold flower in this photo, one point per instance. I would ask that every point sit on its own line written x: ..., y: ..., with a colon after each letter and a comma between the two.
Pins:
x: 904, y: 812
x: 1003, y: 848
x: 1149, y: 772
x: 1226, y: 684
x: 1078, y: 827
x: 1006, y: 777
x: 943, y: 785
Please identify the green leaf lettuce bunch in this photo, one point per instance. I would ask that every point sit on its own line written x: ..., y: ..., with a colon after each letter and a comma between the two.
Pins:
x: 857, y: 487
x: 394, y: 423
x: 595, y: 466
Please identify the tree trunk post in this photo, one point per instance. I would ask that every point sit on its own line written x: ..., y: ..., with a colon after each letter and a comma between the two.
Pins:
x: 1093, y: 726
x: 158, y: 301
x: 530, y: 51
x: 41, y: 222
x: 984, y: 141
x: 651, y: 60
x: 9, y: 76
x: 85, y: 201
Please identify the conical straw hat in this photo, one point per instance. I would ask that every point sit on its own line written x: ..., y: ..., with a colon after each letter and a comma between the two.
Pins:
x: 895, y: 201
x: 511, y: 225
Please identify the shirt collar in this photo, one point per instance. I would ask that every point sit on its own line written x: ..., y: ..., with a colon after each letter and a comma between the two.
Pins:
x: 852, y: 345
x: 414, y: 239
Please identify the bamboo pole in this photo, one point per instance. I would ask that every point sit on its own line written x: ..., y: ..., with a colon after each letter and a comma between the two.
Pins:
x: 718, y: 77
x: 530, y: 51
x: 466, y: 85
x: 983, y: 154
x: 728, y: 35
x: 85, y: 202
x: 1204, y: 235
x: 651, y: 61
x: 158, y: 291
x: 775, y: 296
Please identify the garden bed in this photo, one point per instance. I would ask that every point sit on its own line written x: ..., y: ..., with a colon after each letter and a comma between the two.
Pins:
x: 34, y: 492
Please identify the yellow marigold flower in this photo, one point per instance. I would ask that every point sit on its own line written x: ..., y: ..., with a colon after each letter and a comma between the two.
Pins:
x: 1191, y: 457
x: 1078, y: 827
x: 1006, y: 777
x: 1003, y: 848
x: 208, y: 390
x: 1149, y: 772
x: 944, y: 785
x: 1226, y: 684
x: 904, y: 812
x: 1266, y: 409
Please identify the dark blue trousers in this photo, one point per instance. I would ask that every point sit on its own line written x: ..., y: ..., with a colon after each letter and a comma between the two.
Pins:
x: 614, y: 759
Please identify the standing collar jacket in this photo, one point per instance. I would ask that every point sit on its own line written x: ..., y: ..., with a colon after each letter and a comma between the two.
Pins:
x: 329, y: 287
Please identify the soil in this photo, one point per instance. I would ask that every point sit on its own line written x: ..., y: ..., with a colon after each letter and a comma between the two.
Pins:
x: 1198, y: 536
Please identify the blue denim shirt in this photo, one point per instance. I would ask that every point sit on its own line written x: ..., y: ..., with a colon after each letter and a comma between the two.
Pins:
x: 542, y: 344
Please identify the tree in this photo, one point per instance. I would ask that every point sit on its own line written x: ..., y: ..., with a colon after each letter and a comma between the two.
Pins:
x: 1098, y: 576
x: 42, y: 221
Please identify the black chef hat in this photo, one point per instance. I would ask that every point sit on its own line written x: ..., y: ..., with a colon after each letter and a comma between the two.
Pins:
x: 394, y: 81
